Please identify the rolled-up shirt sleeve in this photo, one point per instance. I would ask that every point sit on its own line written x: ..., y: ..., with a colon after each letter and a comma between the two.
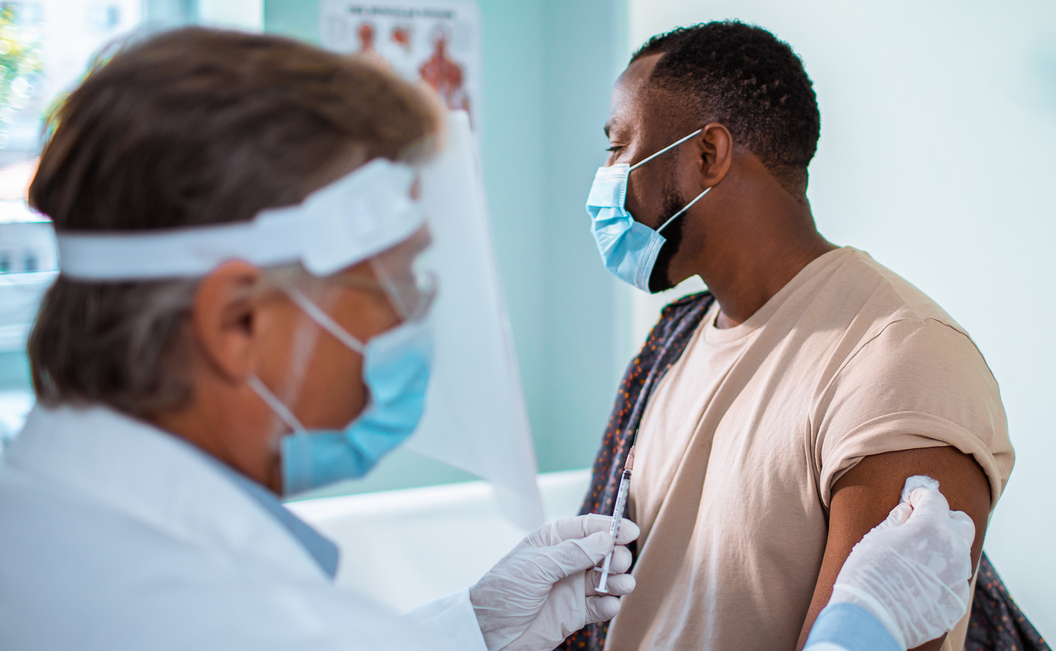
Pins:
x: 919, y: 383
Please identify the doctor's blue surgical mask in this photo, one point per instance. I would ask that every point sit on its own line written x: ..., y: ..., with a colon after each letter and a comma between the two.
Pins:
x: 628, y: 247
x: 396, y: 369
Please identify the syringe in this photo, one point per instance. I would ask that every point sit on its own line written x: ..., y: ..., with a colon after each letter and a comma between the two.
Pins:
x: 617, y: 516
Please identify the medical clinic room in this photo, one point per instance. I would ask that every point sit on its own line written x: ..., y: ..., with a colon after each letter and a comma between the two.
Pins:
x: 527, y: 325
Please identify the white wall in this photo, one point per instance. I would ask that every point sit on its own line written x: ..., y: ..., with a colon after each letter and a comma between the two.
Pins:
x: 937, y: 146
x: 235, y: 14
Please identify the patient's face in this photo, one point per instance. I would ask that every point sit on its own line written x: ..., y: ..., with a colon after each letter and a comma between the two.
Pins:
x: 636, y: 132
x: 644, y: 120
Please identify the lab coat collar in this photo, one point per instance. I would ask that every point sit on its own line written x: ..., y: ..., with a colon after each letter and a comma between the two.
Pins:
x: 155, y: 478
x: 325, y: 552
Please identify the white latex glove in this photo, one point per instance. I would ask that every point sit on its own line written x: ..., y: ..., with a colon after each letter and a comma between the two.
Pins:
x: 912, y: 571
x: 543, y: 590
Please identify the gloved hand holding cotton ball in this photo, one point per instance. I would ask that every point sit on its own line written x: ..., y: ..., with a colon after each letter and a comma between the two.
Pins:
x: 912, y: 571
x: 544, y: 589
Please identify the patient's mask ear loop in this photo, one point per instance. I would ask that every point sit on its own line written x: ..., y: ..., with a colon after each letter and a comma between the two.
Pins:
x: 662, y: 151
x: 687, y: 207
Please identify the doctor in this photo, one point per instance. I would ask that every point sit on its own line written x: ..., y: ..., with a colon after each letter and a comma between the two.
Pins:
x: 241, y: 314
x: 238, y: 316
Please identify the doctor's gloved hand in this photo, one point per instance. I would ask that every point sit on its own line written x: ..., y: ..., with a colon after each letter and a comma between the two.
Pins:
x: 543, y: 590
x: 912, y: 571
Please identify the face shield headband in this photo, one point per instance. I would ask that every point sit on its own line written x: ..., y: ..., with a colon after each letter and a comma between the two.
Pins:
x: 353, y: 219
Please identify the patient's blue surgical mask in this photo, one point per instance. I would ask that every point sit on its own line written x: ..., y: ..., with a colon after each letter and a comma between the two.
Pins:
x: 627, y: 247
x: 396, y: 368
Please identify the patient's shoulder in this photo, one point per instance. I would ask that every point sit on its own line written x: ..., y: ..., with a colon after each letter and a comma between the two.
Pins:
x: 889, y: 296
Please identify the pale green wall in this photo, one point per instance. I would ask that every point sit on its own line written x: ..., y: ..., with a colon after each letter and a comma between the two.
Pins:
x: 548, y: 67
x: 585, y: 313
x: 297, y: 18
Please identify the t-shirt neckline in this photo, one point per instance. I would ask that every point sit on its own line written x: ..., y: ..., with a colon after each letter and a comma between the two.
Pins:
x: 715, y: 335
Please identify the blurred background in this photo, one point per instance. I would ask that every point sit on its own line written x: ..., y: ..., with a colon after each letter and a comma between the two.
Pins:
x: 936, y: 157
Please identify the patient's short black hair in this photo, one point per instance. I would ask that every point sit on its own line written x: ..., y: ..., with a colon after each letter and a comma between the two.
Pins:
x: 743, y: 77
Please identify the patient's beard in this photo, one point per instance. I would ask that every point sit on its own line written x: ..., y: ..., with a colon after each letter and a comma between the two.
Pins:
x: 660, y: 279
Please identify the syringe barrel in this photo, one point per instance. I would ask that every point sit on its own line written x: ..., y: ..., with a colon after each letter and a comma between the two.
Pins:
x: 614, y: 528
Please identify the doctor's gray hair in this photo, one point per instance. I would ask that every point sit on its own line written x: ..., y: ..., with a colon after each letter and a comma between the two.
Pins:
x: 190, y: 127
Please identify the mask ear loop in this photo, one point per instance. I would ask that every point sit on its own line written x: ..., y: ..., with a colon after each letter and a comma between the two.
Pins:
x: 300, y: 434
x: 269, y: 398
x: 668, y: 148
x: 323, y: 319
x: 687, y: 207
x: 305, y: 339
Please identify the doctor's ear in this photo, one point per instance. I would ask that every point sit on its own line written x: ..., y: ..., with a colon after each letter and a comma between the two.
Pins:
x: 226, y: 318
x: 714, y: 153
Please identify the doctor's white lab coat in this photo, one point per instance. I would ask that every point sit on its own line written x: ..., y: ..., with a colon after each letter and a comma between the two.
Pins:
x: 116, y: 536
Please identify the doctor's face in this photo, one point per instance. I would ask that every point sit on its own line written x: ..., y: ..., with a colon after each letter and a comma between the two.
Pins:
x: 245, y: 325
x: 324, y: 376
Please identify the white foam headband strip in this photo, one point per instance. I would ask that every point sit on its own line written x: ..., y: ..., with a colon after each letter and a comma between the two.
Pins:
x: 348, y: 221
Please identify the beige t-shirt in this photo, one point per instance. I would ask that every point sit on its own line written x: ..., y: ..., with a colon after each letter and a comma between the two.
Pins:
x: 745, y: 436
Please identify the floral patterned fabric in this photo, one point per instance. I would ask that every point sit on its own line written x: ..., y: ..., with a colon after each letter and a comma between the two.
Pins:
x: 996, y: 623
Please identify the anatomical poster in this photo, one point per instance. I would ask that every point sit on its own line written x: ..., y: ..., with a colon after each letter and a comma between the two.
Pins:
x: 435, y: 41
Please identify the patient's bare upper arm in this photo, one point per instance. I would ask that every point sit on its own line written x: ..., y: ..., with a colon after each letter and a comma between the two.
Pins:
x: 862, y: 498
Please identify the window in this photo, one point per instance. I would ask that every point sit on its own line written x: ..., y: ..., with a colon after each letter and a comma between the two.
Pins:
x: 45, y: 48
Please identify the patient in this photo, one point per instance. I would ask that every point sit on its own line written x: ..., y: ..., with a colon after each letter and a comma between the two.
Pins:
x: 805, y: 387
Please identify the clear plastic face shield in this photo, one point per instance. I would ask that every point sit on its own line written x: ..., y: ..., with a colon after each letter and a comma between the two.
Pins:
x: 405, y: 273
